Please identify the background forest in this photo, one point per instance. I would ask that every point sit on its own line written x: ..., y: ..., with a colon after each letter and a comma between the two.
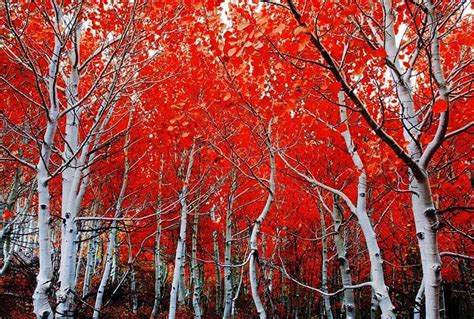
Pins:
x: 236, y: 159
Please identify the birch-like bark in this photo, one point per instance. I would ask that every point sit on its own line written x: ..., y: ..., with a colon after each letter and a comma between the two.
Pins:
x: 344, y: 266
x: 159, y: 280
x: 194, y: 267
x: 376, y: 262
x: 12, y: 234
x: 426, y: 223
x: 113, y: 233
x: 228, y: 289
x: 133, y: 282
x: 67, y: 276
x: 182, y: 279
x: 106, y: 273
x: 92, y: 248
x: 256, y: 228
x: 87, y: 157
x: 419, y: 301
x: 178, y: 262
x: 114, y: 268
x: 218, y: 272
x: 41, y: 305
x: 79, y: 262
x: 324, y: 268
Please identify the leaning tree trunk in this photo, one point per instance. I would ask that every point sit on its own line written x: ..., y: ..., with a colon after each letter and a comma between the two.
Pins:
x: 113, y: 233
x: 376, y: 262
x: 255, y: 231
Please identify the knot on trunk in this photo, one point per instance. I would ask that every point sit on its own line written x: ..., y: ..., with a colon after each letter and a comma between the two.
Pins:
x: 430, y: 212
x: 61, y: 296
x: 420, y: 235
x: 436, y: 268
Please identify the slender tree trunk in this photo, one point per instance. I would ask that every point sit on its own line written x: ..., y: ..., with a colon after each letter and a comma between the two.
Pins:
x: 113, y: 233
x: 79, y: 262
x: 419, y: 301
x: 133, y: 282
x: 255, y: 231
x: 182, y: 279
x: 218, y: 273
x: 376, y: 262
x: 426, y: 223
x: 114, y: 268
x: 228, y: 289
x: 194, y: 268
x: 178, y: 262
x: 9, y: 203
x: 324, y: 268
x: 159, y: 280
x: 106, y: 273
x: 344, y: 267
x: 92, y: 248
x: 41, y: 306
x: 68, y: 212
x: 8, y: 250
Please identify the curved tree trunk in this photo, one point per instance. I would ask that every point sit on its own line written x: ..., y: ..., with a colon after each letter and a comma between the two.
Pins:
x: 255, y: 231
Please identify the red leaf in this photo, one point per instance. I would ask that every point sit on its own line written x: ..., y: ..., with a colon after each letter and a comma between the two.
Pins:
x: 7, y: 214
x: 380, y: 52
x: 334, y: 87
x: 440, y: 106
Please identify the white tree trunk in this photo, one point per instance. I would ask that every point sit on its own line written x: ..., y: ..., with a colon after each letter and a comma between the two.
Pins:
x: 228, y: 289
x: 133, y: 282
x: 159, y: 280
x: 324, y: 268
x: 41, y: 306
x: 106, y: 273
x: 113, y: 233
x: 182, y: 292
x: 67, y: 268
x: 344, y: 267
x: 218, y: 272
x: 255, y: 231
x: 376, y: 262
x: 194, y: 268
x: 423, y: 208
x: 79, y: 262
x: 8, y: 250
x: 178, y: 262
x: 92, y: 248
x: 419, y: 301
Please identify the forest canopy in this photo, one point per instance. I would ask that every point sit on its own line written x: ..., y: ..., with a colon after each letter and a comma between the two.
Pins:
x: 236, y: 159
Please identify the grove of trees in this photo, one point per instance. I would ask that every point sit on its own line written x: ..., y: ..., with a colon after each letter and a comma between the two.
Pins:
x: 236, y: 159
